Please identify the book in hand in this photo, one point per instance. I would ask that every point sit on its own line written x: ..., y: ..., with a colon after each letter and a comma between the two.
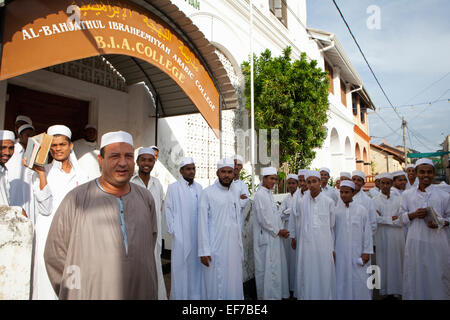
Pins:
x: 431, y: 216
x: 37, y: 150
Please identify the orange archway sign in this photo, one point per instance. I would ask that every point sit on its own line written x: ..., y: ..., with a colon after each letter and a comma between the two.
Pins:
x: 42, y: 33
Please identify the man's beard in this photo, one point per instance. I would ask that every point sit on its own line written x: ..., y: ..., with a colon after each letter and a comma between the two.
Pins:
x: 227, y: 185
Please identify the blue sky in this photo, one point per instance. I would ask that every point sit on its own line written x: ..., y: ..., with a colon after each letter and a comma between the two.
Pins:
x: 409, y: 54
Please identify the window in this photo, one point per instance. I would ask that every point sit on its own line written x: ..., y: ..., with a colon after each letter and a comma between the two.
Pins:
x: 329, y: 69
x: 279, y: 9
x: 363, y: 113
x: 355, y: 104
x: 343, y: 93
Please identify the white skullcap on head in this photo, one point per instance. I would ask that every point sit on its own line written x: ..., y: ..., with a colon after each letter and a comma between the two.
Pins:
x: 24, y: 118
x: 225, y: 162
x: 302, y: 172
x: 59, y: 129
x: 7, y: 135
x: 348, y: 183
x: 313, y: 173
x: 398, y: 173
x: 325, y: 169
x: 385, y: 175
x: 154, y: 147
x: 346, y: 174
x: 115, y: 137
x: 268, y: 171
x: 359, y: 174
x: 88, y: 126
x: 24, y: 127
x: 409, y: 166
x: 292, y: 176
x: 377, y: 177
x: 239, y: 159
x: 185, y: 161
x: 146, y: 151
x: 424, y: 161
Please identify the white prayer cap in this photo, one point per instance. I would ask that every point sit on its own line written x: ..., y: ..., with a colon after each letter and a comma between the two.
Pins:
x: 239, y: 159
x: 325, y: 169
x: 88, y: 126
x: 347, y: 183
x: 346, y: 174
x: 24, y: 118
x: 24, y: 127
x: 386, y: 175
x: 424, y: 161
x: 377, y: 177
x: 313, y: 173
x: 185, y: 161
x: 359, y: 174
x: 409, y: 166
x: 268, y: 171
x: 59, y: 129
x: 7, y: 135
x: 154, y: 147
x: 292, y: 176
x: 398, y: 173
x: 302, y: 172
x: 146, y: 151
x: 225, y: 162
x: 115, y: 137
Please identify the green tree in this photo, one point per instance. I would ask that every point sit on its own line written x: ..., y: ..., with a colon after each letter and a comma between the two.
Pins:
x: 291, y: 96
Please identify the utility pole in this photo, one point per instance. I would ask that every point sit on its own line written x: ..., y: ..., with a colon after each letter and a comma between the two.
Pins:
x: 404, y: 140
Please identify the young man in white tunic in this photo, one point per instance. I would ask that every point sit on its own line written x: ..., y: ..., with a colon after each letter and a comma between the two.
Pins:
x: 399, y: 182
x: 360, y: 197
x: 286, y: 210
x: 390, y: 240
x: 426, y: 271
x: 219, y: 237
x: 145, y: 162
x: 353, y: 246
x: 6, y: 153
x: 315, y: 279
x: 20, y: 176
x: 373, y: 192
x: 327, y: 190
x: 86, y: 150
x: 239, y: 186
x: 271, y: 269
x: 181, y: 213
x: 61, y: 176
x: 412, y: 177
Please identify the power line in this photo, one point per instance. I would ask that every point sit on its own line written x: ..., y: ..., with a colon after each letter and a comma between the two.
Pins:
x: 420, y: 104
x: 428, y: 87
x: 394, y: 131
x: 417, y: 115
x: 367, y: 62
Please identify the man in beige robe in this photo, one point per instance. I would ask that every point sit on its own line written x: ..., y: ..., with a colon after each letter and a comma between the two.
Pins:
x: 102, y: 237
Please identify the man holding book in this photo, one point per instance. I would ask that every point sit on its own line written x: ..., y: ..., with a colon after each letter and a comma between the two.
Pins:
x: 57, y: 178
x: 426, y: 273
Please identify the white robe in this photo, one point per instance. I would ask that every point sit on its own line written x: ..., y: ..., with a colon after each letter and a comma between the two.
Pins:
x: 316, y: 278
x: 293, y: 227
x: 353, y: 237
x: 59, y: 183
x: 373, y: 192
x: 286, y: 210
x: 414, y: 185
x: 4, y: 186
x: 240, y: 188
x: 390, y: 242
x: 426, y: 271
x: 331, y: 192
x: 156, y: 189
x: 363, y: 199
x: 271, y: 269
x: 219, y: 236
x: 181, y: 213
x: 87, y: 153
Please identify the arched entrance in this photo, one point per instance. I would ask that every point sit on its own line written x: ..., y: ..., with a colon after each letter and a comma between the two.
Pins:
x: 366, y: 166
x: 335, y: 152
x: 359, y: 161
x: 349, y: 159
